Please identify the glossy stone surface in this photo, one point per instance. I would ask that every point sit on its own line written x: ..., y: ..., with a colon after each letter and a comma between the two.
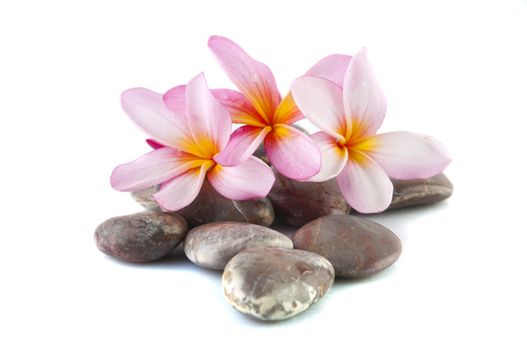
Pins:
x: 214, y: 244
x: 409, y: 193
x: 298, y: 203
x: 140, y: 237
x: 276, y: 283
x: 210, y: 206
x: 355, y: 246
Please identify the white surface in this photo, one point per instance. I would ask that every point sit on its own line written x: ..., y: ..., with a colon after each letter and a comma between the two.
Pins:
x: 453, y: 69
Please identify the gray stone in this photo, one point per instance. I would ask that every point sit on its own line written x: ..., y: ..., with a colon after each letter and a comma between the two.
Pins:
x: 140, y: 237
x: 298, y: 203
x: 276, y: 283
x: 213, y: 245
x: 210, y: 206
x: 356, y: 247
x: 409, y: 193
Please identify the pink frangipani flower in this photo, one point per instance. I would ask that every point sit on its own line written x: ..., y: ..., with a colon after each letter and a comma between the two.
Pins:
x: 185, y: 143
x: 362, y: 161
x: 265, y: 115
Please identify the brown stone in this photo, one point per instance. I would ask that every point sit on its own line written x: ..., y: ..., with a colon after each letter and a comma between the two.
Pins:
x: 213, y: 245
x: 409, y: 193
x: 140, y: 237
x: 355, y: 246
x: 298, y: 203
x: 210, y: 206
x: 276, y: 283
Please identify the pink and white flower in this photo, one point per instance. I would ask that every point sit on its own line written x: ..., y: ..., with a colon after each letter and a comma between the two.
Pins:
x: 266, y: 116
x: 363, y: 162
x: 186, y: 141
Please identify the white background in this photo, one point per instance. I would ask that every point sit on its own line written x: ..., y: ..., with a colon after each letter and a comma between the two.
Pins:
x: 453, y: 69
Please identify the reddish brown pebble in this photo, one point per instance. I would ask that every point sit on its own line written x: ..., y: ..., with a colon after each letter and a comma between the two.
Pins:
x: 356, y: 247
x: 298, y: 203
x: 140, y: 237
x: 409, y: 193
x: 210, y: 206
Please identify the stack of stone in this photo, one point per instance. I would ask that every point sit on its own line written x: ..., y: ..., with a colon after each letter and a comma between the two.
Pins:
x: 268, y: 274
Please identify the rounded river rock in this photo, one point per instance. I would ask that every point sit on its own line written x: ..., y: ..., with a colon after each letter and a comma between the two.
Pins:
x: 210, y: 206
x: 140, y: 237
x: 356, y: 247
x: 276, y: 283
x: 409, y: 193
x: 213, y: 245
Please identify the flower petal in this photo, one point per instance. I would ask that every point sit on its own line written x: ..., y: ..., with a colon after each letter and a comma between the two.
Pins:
x: 406, y: 155
x: 241, y: 109
x: 364, y: 101
x: 174, y: 99
x: 320, y: 100
x: 287, y: 112
x: 209, y: 121
x: 152, y: 169
x: 292, y: 152
x: 182, y: 190
x: 365, y: 185
x: 147, y: 110
x: 332, y: 67
x: 253, y: 78
x: 244, y: 141
x: 334, y: 157
x: 251, y: 179
x: 154, y: 144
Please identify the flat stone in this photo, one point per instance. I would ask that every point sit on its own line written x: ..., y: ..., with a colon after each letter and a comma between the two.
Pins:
x: 355, y: 246
x: 298, y: 203
x: 276, y: 283
x: 213, y: 245
x: 210, y: 206
x: 409, y: 193
x: 140, y: 237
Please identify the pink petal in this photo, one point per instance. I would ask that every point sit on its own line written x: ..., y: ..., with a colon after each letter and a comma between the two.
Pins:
x: 152, y: 169
x: 365, y: 185
x: 334, y: 157
x: 182, y: 190
x: 287, y: 112
x: 147, y: 110
x: 331, y: 67
x: 320, y: 100
x: 251, y: 179
x: 241, y: 109
x: 407, y: 155
x: 253, y: 78
x: 209, y: 121
x: 292, y: 152
x: 154, y: 144
x: 364, y: 101
x: 174, y: 99
x: 244, y: 141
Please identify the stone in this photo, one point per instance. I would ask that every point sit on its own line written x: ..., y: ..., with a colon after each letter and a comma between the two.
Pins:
x: 355, y: 246
x: 298, y: 203
x: 140, y: 237
x: 213, y: 245
x: 409, y: 193
x: 210, y: 206
x: 276, y: 283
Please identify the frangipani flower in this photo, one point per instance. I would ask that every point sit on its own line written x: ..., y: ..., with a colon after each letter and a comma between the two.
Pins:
x: 362, y: 161
x: 186, y: 142
x: 265, y: 115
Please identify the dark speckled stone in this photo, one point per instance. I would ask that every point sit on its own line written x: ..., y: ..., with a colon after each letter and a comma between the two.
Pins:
x: 210, y: 206
x: 276, y: 283
x: 356, y: 247
x: 409, y: 193
x: 140, y: 237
